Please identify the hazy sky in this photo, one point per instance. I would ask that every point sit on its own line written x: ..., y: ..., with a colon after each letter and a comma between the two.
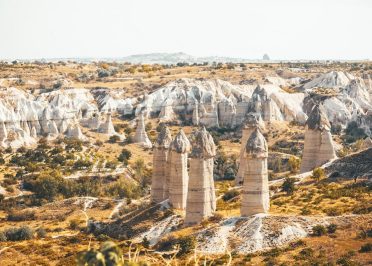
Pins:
x: 285, y: 29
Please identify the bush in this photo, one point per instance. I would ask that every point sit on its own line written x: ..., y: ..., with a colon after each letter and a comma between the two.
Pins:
x: 187, y: 244
x: 366, y: 248
x: 114, y: 139
x: 319, y: 230
x: 124, y: 156
x: 318, y: 174
x: 288, y: 185
x: 74, y: 225
x: 331, y: 229
x: 41, y: 232
x: 333, y: 211
x: 2, y: 237
x: 21, y: 216
x: 230, y: 194
x: 19, y: 234
x: 294, y: 164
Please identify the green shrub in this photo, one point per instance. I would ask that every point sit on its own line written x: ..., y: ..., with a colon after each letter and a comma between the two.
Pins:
x: 41, y: 232
x: 230, y: 194
x: 366, y: 248
x: 288, y: 185
x: 318, y: 174
x: 333, y: 211
x: 2, y: 237
x: 319, y: 230
x: 19, y: 234
x: 124, y: 156
x: 331, y: 229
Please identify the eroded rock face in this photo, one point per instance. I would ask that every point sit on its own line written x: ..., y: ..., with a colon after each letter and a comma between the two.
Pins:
x: 214, y: 103
x: 179, y: 178
x: 201, y: 197
x: 255, y: 193
x: 318, y: 147
x: 141, y: 136
x: 161, y: 166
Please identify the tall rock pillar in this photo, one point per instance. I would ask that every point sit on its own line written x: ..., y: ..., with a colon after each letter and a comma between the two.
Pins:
x: 318, y: 147
x: 255, y: 193
x: 178, y: 178
x: 201, y: 197
x: 161, y: 163
x: 249, y: 125
x: 141, y: 135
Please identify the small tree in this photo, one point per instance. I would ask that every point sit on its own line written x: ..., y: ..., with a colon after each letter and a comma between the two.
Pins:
x: 318, y: 174
x: 319, y: 230
x: 294, y: 164
x: 125, y: 156
x: 288, y: 186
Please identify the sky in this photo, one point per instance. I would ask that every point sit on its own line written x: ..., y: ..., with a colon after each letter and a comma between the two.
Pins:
x: 284, y: 29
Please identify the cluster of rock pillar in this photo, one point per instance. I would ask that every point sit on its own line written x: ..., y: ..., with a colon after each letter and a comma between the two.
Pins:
x: 191, y: 190
x: 318, y: 146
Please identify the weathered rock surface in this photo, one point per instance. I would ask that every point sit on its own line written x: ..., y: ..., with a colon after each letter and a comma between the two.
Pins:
x: 249, y: 125
x: 201, y: 197
x: 140, y: 136
x: 255, y: 192
x: 179, y: 178
x: 161, y: 166
x: 352, y: 166
x: 318, y: 147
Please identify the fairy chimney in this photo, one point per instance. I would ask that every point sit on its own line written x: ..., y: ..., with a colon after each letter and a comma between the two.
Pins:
x: 249, y: 125
x: 201, y: 197
x: 160, y: 173
x: 141, y: 135
x: 255, y: 192
x: 318, y: 147
x: 178, y: 176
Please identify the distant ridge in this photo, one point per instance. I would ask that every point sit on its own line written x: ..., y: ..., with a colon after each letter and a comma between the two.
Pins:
x: 172, y: 58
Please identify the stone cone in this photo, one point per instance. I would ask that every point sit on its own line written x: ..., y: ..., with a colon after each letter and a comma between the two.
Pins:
x: 250, y: 124
x: 179, y: 178
x: 255, y: 192
x: 107, y: 127
x: 318, y: 147
x: 140, y: 136
x: 161, y: 166
x: 201, y: 197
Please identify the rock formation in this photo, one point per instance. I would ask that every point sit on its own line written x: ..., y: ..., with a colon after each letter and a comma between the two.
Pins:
x: 107, y: 127
x: 255, y: 193
x: 318, y: 148
x: 161, y: 166
x: 74, y: 131
x: 179, y: 178
x: 201, y: 197
x: 141, y: 136
x: 249, y: 125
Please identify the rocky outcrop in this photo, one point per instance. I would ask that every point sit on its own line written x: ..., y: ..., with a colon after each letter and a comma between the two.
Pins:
x: 201, y: 197
x: 179, y: 178
x: 74, y: 131
x: 318, y: 147
x: 107, y: 127
x: 255, y: 192
x: 249, y: 125
x: 140, y: 136
x: 161, y: 166
x: 357, y: 165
